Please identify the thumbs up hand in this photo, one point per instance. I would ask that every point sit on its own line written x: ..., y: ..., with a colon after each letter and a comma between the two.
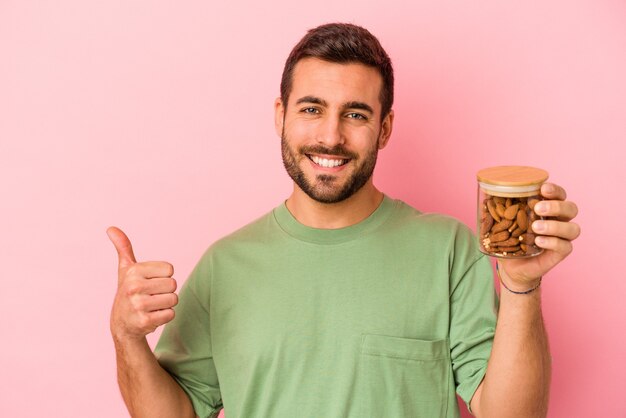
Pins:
x: 145, y: 292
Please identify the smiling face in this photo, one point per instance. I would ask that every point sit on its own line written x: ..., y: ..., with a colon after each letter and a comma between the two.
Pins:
x: 331, y: 129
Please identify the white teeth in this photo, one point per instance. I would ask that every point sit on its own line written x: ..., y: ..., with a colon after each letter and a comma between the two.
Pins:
x: 326, y: 162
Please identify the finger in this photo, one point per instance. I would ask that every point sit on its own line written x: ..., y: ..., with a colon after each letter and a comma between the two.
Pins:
x: 151, y: 269
x: 553, y: 191
x: 559, y: 246
x: 122, y: 244
x: 142, y: 287
x: 565, y: 230
x: 562, y: 210
x: 161, y: 317
x: 160, y: 285
x: 147, y: 322
x: 159, y: 302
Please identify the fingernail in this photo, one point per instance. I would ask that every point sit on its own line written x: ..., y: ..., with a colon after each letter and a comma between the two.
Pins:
x: 539, y: 226
x: 541, y: 207
x: 548, y: 188
x: 540, y: 240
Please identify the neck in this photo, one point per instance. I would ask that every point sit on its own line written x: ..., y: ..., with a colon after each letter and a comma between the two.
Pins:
x: 348, y: 212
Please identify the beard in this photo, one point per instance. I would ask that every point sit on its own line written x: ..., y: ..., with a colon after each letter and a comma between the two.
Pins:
x: 326, y: 188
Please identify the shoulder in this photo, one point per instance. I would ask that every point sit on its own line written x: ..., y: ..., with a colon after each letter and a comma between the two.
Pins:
x: 438, y: 224
x: 435, y: 235
x: 259, y: 232
x: 443, y: 247
x: 233, y: 246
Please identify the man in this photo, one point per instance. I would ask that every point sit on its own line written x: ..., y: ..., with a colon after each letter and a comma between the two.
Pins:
x: 341, y: 302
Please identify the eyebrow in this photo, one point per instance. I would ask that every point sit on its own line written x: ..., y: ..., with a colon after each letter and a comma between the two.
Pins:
x: 347, y: 105
x: 312, y: 99
x: 359, y: 105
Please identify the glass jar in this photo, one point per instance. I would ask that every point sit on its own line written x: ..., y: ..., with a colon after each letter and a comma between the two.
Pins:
x: 506, y: 199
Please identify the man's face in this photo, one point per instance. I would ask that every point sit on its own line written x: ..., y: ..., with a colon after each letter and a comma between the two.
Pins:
x: 331, y: 129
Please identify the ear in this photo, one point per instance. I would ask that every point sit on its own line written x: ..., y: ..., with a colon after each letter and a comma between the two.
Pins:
x: 385, y: 130
x: 279, y: 116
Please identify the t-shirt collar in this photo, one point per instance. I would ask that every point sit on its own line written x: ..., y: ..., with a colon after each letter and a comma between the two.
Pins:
x: 293, y: 227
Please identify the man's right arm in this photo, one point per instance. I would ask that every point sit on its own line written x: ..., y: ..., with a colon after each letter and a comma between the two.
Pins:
x: 144, y: 300
x: 147, y: 389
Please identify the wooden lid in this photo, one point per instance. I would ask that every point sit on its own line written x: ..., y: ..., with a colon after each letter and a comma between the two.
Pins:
x: 512, y: 175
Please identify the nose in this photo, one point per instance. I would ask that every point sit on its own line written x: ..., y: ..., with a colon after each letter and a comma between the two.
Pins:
x: 330, y: 132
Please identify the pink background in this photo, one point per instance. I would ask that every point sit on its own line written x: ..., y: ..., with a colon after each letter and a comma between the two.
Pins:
x: 156, y: 116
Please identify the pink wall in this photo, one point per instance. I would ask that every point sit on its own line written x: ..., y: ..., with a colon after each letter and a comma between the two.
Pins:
x: 157, y: 117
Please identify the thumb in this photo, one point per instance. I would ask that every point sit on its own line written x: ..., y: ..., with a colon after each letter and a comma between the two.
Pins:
x: 122, y: 245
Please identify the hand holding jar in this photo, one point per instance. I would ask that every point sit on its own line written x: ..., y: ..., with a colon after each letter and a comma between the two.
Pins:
x: 524, y: 222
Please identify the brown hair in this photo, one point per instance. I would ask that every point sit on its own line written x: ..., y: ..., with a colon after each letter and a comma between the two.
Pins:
x: 341, y: 43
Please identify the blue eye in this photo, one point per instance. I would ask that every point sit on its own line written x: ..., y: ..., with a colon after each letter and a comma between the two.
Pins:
x: 356, y: 116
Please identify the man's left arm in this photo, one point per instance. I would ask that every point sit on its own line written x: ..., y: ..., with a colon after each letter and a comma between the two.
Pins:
x: 517, y: 380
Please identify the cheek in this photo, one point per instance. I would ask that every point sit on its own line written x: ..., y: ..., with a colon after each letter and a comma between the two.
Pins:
x: 299, y: 132
x: 365, y: 137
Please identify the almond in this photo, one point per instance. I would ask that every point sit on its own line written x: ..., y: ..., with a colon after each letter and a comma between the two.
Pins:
x: 491, y: 207
x: 527, y: 238
x: 522, y: 219
x: 511, y: 242
x: 486, y: 224
x: 501, y: 226
x: 511, y: 212
x: 499, y: 236
x: 504, y: 225
x: 500, y: 209
x: 530, y: 249
x: 519, y: 231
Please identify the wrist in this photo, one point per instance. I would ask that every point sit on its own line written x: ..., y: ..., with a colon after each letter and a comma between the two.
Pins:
x: 515, y: 286
x: 125, y: 339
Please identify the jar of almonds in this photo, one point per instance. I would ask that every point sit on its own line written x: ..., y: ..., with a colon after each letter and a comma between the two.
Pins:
x: 506, y: 199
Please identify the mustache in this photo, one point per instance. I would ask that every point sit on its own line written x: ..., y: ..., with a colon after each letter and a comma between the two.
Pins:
x: 338, y: 151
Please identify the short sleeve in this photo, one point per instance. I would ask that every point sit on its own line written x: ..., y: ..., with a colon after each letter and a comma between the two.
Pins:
x: 473, y: 313
x: 184, y: 348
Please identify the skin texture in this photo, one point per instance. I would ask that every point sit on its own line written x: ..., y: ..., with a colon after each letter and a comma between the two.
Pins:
x: 324, y: 188
x: 334, y: 111
x: 144, y: 300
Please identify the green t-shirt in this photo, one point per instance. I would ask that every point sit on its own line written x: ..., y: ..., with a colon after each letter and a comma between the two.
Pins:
x: 387, y: 317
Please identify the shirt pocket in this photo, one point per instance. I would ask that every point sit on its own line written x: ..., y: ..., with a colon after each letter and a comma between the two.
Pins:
x: 403, y: 377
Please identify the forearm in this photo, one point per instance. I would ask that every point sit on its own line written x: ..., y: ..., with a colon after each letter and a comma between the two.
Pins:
x: 148, y: 390
x: 517, y: 381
